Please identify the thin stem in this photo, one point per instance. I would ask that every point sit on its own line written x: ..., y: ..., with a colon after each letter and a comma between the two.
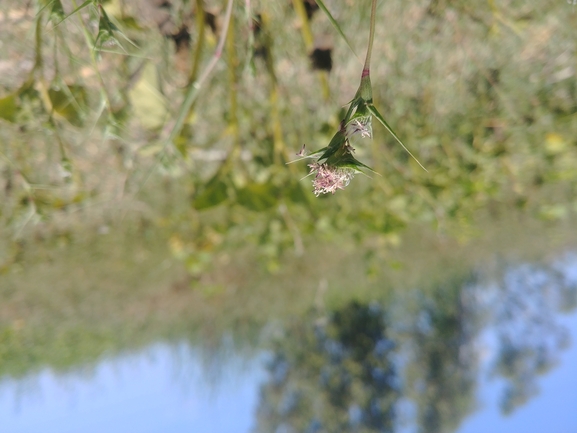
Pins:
x: 199, y: 42
x: 232, y: 85
x: 367, y: 66
x: 195, y: 87
x: 305, y: 27
x: 38, y: 62
x: 251, y: 27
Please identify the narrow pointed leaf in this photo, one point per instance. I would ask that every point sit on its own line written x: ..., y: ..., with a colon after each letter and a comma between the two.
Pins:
x: 347, y: 159
x: 338, y: 139
x: 310, y: 155
x: 352, y: 108
x: 57, y: 10
x: 335, y: 144
x: 329, y: 152
x: 46, y: 4
x: 350, y: 161
x: 112, y: 28
x: 380, y: 118
x: 360, y: 112
x: 127, y: 38
x: 79, y: 8
x: 335, y: 24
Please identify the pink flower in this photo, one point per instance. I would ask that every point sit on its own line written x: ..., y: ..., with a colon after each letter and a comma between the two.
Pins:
x: 329, y: 178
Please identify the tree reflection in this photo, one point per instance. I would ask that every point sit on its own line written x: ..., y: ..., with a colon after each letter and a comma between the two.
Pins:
x: 343, y: 372
x: 528, y: 300
x: 442, y: 370
x: 333, y: 374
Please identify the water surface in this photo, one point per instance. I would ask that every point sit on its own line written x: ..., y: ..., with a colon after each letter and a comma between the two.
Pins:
x: 479, y: 354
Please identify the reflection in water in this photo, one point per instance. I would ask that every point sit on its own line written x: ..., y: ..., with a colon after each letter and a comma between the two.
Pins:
x: 332, y: 375
x: 529, y: 337
x: 440, y: 377
x: 338, y: 372
x: 163, y: 388
x: 413, y: 363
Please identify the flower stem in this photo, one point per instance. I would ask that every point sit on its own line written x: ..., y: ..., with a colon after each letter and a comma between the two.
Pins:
x: 365, y: 89
x: 367, y: 66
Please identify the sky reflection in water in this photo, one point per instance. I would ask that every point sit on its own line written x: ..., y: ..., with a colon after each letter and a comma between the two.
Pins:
x: 161, y: 389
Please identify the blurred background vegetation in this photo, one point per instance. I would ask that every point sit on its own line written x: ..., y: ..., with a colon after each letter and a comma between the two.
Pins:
x: 484, y: 94
x: 129, y: 158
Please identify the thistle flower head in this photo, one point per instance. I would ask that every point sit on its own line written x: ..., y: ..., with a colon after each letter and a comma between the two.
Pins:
x: 329, y: 178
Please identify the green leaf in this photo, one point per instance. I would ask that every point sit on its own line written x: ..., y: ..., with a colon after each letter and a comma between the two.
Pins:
x: 107, y: 29
x: 352, y: 107
x: 57, y: 11
x: 79, y: 8
x: 349, y: 161
x: 310, y: 155
x: 8, y: 108
x: 380, y: 118
x: 67, y: 102
x: 56, y: 6
x: 147, y: 102
x: 334, y: 23
x: 361, y: 111
x: 257, y: 196
x: 214, y: 193
x: 335, y: 144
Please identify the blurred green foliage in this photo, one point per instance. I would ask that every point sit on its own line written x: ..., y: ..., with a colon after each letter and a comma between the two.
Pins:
x: 483, y: 94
